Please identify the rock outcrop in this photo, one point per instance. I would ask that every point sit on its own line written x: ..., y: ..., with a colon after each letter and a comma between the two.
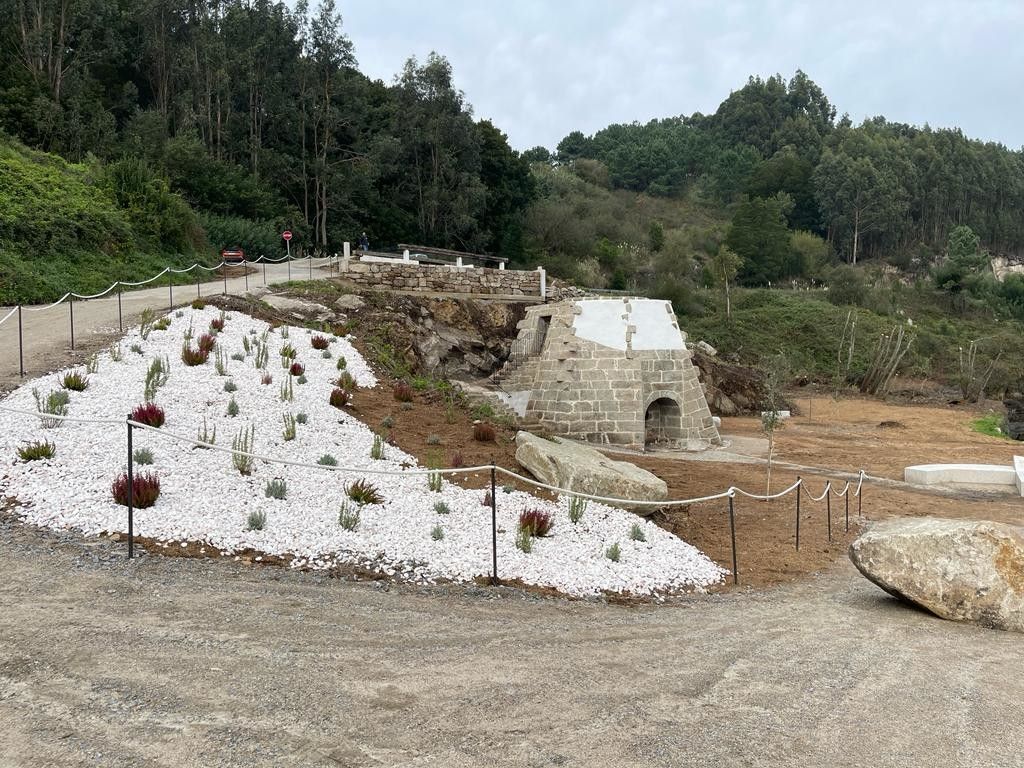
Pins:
x: 730, y: 389
x: 961, y: 570
x: 576, y: 467
x: 1015, y: 416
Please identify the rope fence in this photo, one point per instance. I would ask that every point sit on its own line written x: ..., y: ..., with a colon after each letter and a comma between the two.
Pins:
x: 493, y: 470
x: 331, y: 261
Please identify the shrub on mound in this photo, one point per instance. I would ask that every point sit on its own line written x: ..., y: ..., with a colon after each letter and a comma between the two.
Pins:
x: 191, y: 356
x: 76, y: 381
x: 364, y: 492
x: 145, y: 489
x: 297, y: 369
x: 320, y: 342
x: 402, y: 392
x: 483, y: 432
x: 339, y: 397
x: 150, y: 414
x: 536, y: 522
x: 40, y: 449
x: 206, y: 343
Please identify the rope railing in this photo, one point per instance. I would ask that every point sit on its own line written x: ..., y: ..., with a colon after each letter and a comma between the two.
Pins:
x: 70, y: 296
x: 161, y: 273
x: 494, y: 470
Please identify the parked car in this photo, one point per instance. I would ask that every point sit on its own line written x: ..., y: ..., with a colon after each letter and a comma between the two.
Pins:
x: 233, y: 255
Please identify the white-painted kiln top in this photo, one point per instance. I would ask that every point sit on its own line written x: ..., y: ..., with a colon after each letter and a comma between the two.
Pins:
x: 606, y: 321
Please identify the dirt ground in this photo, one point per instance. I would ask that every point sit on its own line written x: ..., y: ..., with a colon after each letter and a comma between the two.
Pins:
x: 169, y: 662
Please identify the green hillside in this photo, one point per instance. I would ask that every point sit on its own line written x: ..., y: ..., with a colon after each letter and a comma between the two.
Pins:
x: 82, y: 226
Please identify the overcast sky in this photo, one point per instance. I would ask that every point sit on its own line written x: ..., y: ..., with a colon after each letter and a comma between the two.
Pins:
x: 542, y: 68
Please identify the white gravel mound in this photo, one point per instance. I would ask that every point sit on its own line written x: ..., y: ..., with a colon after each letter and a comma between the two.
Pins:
x: 204, y: 499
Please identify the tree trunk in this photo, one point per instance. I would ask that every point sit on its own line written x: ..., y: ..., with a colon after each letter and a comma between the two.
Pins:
x: 856, y: 234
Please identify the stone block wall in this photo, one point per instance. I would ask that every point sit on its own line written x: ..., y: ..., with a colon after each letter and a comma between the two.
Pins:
x: 593, y: 393
x: 441, y: 279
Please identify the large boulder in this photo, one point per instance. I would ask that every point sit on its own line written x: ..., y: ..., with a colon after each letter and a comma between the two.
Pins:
x: 576, y: 467
x: 958, y: 569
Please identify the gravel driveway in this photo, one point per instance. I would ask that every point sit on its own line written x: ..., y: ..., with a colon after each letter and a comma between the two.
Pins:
x: 166, y: 661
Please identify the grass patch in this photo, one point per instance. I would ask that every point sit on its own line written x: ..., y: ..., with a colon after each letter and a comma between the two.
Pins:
x: 992, y: 425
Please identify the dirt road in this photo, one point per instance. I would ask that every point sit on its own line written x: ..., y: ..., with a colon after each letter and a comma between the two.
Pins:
x: 175, y: 662
x: 47, y: 332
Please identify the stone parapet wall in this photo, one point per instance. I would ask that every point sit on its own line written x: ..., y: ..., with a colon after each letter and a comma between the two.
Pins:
x: 441, y: 279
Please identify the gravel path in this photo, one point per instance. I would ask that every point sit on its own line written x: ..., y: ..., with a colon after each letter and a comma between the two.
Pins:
x: 165, y: 661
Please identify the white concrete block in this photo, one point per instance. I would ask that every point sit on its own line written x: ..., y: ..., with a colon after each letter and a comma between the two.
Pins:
x: 962, y: 474
x: 717, y: 421
x: 1018, y: 468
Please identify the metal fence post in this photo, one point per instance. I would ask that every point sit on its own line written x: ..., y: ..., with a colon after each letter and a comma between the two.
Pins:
x: 199, y: 290
x: 170, y: 291
x: 71, y: 307
x: 288, y: 259
x: 732, y: 531
x: 311, y: 269
x: 224, y: 274
x: 120, y: 321
x: 860, y: 495
x: 847, y: 498
x: 799, y: 486
x: 828, y: 509
x: 245, y: 267
x: 494, y: 529
x: 20, y: 344
x: 131, y: 495
x: 264, y: 271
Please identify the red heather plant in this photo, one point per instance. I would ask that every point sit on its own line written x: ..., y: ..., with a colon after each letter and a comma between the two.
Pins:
x: 535, y: 522
x: 457, y: 461
x: 483, y: 432
x: 402, y: 392
x: 320, y: 342
x: 207, y: 343
x: 267, y: 379
x: 192, y: 357
x: 339, y: 397
x: 145, y: 489
x: 150, y: 414
x: 297, y: 369
x: 217, y: 324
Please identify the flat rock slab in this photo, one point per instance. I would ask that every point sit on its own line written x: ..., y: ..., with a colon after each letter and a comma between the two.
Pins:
x: 960, y: 570
x: 960, y: 474
x: 297, y: 307
x: 576, y: 467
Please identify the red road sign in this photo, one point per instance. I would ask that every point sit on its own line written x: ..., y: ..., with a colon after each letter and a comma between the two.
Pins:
x: 286, y: 235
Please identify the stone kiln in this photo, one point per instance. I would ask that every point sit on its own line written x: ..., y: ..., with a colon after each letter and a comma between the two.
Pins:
x: 611, y: 371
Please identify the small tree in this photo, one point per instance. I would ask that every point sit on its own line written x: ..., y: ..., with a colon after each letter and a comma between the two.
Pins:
x: 724, y: 266
x: 776, y: 375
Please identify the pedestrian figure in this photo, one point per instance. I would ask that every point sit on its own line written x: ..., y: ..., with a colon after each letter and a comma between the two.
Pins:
x: 364, y: 242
